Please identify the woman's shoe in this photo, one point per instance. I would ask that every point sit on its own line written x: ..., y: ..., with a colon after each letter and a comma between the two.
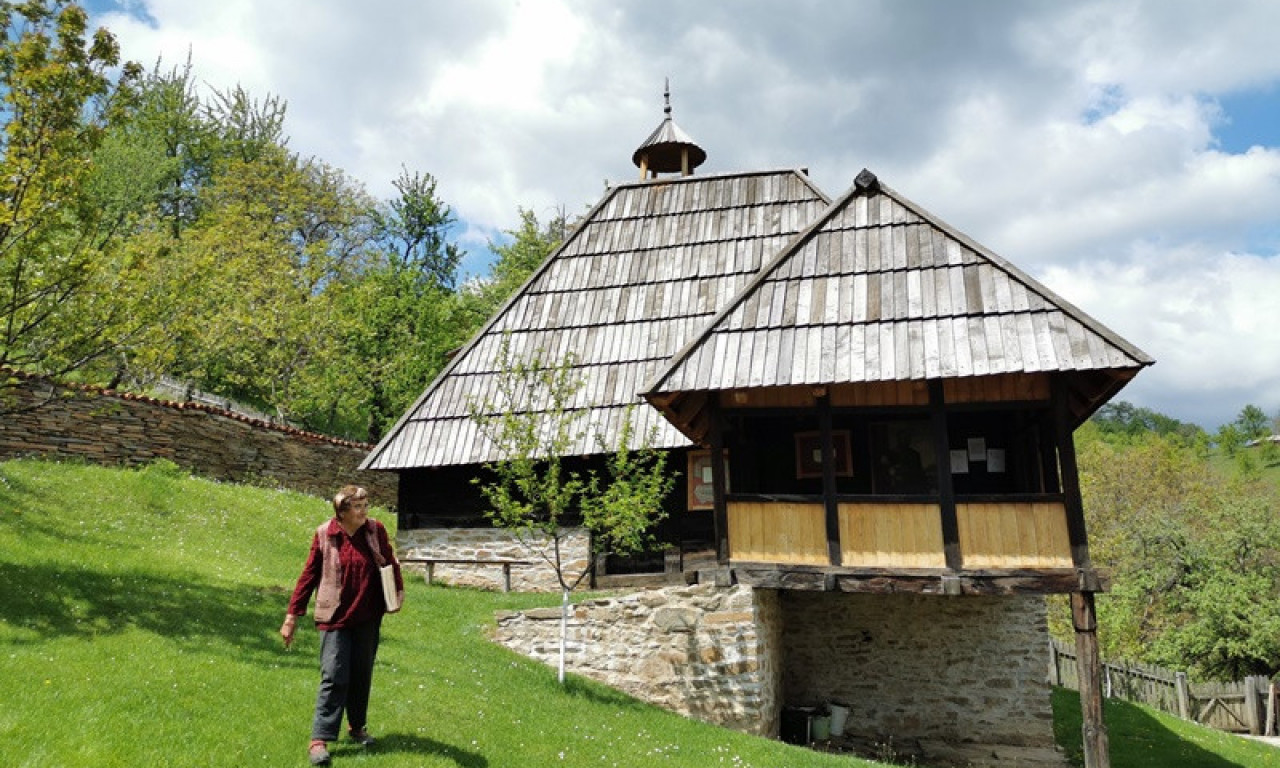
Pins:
x: 318, y: 753
x: 361, y: 736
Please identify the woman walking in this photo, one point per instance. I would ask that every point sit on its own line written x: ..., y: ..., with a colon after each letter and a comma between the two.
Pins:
x: 343, y: 570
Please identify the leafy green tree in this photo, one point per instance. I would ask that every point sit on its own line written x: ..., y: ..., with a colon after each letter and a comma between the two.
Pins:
x: 1194, y: 556
x: 276, y: 235
x: 66, y: 284
x: 531, y: 244
x: 415, y: 226
x: 400, y: 316
x: 533, y: 424
x: 1253, y: 423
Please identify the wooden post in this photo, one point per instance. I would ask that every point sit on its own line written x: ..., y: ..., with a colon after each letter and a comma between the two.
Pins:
x: 1084, y: 618
x: 1055, y: 673
x: 1070, y: 476
x: 1184, y: 695
x: 1252, y: 706
x: 834, y: 555
x: 946, y: 491
x: 1270, y: 729
x: 719, y: 484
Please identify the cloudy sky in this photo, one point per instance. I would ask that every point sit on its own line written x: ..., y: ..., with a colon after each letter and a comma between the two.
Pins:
x: 1126, y: 153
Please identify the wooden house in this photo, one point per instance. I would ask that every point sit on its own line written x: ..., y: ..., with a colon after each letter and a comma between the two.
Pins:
x: 893, y: 403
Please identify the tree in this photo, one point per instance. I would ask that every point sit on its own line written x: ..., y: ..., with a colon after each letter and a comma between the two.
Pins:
x: 1194, y: 556
x: 65, y: 194
x: 415, y: 226
x: 533, y: 422
x: 531, y: 244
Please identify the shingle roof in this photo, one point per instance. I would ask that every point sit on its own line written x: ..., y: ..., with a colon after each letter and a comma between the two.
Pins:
x: 640, y: 275
x: 878, y: 289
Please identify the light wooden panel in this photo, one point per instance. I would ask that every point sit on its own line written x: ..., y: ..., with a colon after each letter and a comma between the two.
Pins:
x: 891, y: 536
x: 1028, y: 535
x: 778, y: 533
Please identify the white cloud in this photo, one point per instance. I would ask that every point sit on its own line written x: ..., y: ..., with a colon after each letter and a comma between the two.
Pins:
x: 1207, y: 317
x: 1075, y: 139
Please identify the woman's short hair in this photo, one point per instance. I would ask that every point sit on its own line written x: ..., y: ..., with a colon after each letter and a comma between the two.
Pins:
x: 347, y: 496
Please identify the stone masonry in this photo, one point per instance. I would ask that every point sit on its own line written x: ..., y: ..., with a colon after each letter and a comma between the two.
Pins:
x: 120, y: 429
x: 702, y: 651
x: 963, y: 677
x: 943, y: 681
x: 488, y: 548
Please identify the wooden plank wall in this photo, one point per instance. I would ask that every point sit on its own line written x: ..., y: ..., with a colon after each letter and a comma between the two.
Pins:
x: 883, y: 535
x: 1005, y: 387
x: 1023, y: 535
x: 768, y: 532
x: 891, y: 536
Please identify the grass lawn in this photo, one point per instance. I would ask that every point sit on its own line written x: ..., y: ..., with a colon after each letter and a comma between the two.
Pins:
x: 138, y: 628
x: 1144, y: 738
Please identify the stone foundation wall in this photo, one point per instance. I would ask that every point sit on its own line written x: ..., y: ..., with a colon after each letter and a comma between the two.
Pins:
x: 45, y: 418
x: 925, y: 671
x: 702, y: 651
x: 488, y: 545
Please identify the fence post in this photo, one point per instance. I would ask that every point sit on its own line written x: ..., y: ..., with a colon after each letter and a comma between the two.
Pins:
x: 1184, y: 696
x: 1271, y: 709
x: 1055, y: 674
x: 1252, y: 687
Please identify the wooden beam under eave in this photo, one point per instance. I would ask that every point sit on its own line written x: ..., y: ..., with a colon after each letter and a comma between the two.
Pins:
x: 687, y: 409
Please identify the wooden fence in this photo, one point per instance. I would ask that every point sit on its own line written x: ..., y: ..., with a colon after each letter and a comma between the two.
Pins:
x: 1247, y: 706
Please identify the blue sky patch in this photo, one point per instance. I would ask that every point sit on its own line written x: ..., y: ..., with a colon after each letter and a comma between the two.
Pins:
x: 1249, y: 118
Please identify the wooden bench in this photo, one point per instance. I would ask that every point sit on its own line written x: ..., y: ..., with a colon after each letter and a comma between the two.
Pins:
x: 431, y: 563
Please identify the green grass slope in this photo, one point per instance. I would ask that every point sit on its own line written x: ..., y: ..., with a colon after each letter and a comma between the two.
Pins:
x: 138, y: 628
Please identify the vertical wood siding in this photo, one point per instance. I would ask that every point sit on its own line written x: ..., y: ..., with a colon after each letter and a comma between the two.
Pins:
x: 891, y: 536
x: 1014, y: 535
x: 767, y: 532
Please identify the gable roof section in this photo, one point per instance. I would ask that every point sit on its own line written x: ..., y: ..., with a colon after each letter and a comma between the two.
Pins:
x: 878, y: 289
x: 640, y: 275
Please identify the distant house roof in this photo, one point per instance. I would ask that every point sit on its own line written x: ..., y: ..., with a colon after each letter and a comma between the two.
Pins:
x: 644, y: 271
x: 878, y: 289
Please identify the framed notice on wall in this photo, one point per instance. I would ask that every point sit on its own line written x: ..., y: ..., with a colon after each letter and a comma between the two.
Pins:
x: 701, y: 493
x: 809, y: 453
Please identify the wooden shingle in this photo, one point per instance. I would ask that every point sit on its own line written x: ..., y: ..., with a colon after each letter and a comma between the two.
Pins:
x: 640, y: 275
x: 889, y: 292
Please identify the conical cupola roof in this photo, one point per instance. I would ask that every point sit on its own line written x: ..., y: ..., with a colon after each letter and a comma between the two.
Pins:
x: 669, y: 149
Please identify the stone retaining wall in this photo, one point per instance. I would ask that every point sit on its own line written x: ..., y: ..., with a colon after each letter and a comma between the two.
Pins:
x: 702, y: 651
x: 44, y: 418
x: 488, y: 545
x: 942, y: 681
x: 941, y: 676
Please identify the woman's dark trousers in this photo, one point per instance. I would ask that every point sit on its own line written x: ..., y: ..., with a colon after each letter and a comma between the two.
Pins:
x: 346, y: 673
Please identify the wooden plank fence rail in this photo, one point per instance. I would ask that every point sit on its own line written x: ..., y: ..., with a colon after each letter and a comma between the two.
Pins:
x: 1245, y: 706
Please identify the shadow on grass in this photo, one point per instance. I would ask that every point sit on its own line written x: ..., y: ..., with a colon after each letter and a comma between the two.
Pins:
x: 50, y: 600
x: 414, y: 745
x: 599, y: 693
x: 1137, y: 738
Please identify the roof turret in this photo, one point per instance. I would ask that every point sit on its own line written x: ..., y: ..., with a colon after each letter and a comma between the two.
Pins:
x: 668, y: 149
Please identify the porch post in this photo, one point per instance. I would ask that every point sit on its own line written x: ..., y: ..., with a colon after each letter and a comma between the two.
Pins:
x: 720, y: 506
x: 1070, y: 476
x: 829, y: 480
x: 946, y: 491
x: 1084, y: 618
